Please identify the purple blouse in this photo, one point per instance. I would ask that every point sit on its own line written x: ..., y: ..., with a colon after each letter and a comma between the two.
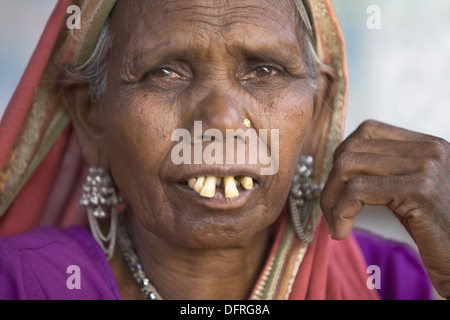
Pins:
x: 402, y: 274
x: 52, y: 264
x: 37, y: 265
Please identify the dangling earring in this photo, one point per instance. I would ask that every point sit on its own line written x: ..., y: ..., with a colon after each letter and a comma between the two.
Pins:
x: 98, y: 194
x: 302, y: 196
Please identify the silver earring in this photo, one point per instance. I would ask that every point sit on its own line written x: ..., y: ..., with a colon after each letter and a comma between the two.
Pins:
x: 302, y: 196
x: 98, y: 196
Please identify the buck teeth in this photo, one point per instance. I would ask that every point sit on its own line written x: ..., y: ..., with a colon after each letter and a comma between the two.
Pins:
x: 206, y: 185
x: 247, y: 183
x: 209, y: 187
x: 199, y: 182
x: 230, y: 187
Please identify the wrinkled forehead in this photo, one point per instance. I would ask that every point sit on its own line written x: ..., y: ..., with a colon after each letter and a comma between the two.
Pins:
x: 217, y: 13
x: 144, y: 21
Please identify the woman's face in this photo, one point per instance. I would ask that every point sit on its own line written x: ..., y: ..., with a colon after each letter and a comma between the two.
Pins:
x: 218, y: 62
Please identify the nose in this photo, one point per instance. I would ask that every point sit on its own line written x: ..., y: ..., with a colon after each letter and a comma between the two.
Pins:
x: 221, y: 111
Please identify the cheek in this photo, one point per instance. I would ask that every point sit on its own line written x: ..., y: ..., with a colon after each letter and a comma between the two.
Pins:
x: 138, y: 143
x: 291, y: 113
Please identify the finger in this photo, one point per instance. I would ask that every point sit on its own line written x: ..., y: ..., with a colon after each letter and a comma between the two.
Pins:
x: 409, y: 198
x: 377, y: 130
x: 375, y: 191
x: 415, y: 149
x: 357, y: 192
x: 351, y: 164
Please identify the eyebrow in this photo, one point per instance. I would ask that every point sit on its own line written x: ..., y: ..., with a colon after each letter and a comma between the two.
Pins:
x: 291, y: 58
x: 137, y: 63
x: 141, y: 60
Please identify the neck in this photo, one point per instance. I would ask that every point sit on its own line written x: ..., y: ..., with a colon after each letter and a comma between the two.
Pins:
x: 199, y: 274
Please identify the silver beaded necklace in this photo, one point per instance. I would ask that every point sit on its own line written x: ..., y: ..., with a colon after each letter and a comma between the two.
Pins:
x: 132, y: 259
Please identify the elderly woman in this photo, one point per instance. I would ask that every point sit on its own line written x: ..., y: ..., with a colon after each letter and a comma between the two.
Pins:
x: 94, y: 127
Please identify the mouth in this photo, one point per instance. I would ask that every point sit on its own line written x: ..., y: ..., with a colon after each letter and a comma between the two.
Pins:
x: 216, y: 187
x: 210, y: 182
x: 227, y: 187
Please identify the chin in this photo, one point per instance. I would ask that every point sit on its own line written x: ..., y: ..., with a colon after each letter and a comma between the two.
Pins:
x: 221, y: 232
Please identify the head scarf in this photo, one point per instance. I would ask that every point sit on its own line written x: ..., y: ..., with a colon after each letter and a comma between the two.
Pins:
x: 42, y: 168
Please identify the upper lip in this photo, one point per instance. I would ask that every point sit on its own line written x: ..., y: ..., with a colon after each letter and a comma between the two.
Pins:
x: 192, y: 171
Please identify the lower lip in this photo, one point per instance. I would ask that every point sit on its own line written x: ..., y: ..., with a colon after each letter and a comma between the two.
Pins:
x: 218, y: 202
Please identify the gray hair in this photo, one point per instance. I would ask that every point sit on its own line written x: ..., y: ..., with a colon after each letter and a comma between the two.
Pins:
x: 94, y: 71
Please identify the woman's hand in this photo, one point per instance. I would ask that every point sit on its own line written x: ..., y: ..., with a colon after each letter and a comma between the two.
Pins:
x: 408, y: 172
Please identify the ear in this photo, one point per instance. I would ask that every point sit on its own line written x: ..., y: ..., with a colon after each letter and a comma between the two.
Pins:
x: 323, y: 98
x: 87, y: 123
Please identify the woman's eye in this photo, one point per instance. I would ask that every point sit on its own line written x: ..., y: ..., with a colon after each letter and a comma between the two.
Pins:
x: 166, y: 78
x: 262, y: 72
x: 165, y: 73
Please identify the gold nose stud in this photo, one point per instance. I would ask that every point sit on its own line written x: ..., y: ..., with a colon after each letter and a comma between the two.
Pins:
x: 247, y: 123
